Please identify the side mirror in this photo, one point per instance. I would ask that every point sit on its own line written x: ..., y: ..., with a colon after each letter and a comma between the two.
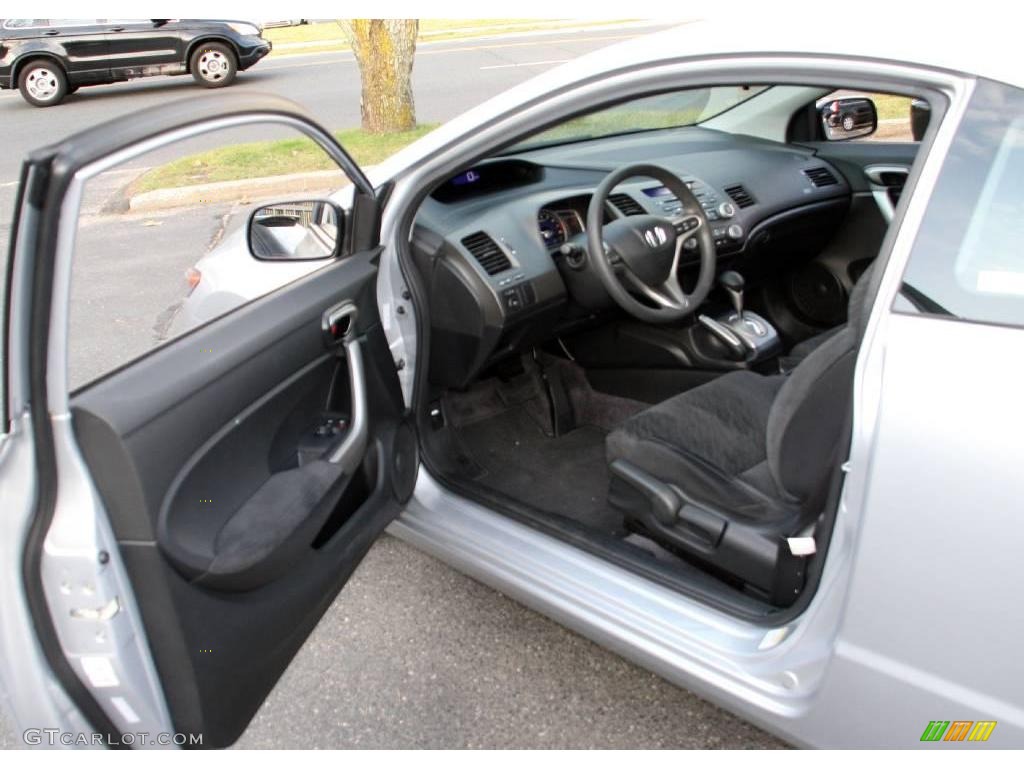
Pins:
x: 304, y: 230
x: 920, y: 115
x: 850, y: 118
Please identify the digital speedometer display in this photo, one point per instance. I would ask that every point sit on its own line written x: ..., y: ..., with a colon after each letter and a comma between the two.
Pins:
x: 552, y: 230
x: 465, y: 178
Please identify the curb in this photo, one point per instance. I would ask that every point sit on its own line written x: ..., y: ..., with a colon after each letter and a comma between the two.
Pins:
x: 240, y: 190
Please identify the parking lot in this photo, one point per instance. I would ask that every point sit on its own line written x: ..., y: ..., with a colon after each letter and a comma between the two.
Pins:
x: 412, y: 653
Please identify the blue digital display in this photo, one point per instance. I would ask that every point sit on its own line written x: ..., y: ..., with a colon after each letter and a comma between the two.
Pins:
x: 469, y: 177
x: 657, y: 191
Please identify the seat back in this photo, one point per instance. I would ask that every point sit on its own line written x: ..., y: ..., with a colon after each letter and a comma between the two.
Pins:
x: 806, y: 420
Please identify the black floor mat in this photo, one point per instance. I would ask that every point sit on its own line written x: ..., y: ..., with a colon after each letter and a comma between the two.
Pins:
x: 565, y: 475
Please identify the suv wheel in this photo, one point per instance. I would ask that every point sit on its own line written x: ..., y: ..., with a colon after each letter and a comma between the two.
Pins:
x: 214, y: 65
x: 43, y: 83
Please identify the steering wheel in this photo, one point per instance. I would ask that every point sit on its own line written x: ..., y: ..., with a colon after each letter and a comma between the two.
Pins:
x: 643, y: 252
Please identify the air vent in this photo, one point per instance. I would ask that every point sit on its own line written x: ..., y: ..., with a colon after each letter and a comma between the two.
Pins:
x: 740, y: 196
x: 626, y: 204
x: 487, y: 252
x: 821, y: 177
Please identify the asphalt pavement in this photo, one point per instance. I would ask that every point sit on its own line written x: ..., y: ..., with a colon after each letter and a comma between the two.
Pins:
x: 412, y: 653
x: 415, y: 655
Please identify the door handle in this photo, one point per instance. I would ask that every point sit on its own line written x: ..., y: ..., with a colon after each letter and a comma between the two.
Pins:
x: 51, y: 33
x: 116, y: 29
x: 338, y: 322
x: 339, y: 325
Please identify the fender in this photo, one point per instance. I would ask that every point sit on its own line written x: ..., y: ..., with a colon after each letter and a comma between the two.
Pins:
x: 211, y: 39
x: 37, y: 49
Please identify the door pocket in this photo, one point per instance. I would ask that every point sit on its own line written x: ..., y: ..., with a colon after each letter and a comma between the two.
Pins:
x: 253, y: 500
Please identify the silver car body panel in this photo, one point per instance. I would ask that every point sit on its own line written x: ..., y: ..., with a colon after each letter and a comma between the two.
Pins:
x: 793, y: 680
x: 29, y: 692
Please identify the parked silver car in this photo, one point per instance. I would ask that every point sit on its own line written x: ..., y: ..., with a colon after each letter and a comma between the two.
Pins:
x: 654, y: 343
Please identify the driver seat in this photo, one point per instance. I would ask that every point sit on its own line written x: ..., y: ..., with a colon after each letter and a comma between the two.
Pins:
x: 726, y: 472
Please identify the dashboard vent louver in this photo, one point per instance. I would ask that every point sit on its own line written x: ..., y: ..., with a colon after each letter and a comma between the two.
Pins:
x: 487, y: 252
x: 821, y: 177
x: 626, y: 204
x: 740, y: 196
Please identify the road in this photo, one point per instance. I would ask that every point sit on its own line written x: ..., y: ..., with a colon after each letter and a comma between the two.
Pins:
x: 412, y: 653
x: 448, y: 78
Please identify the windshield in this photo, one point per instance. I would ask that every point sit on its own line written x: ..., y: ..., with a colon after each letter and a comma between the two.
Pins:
x: 650, y: 113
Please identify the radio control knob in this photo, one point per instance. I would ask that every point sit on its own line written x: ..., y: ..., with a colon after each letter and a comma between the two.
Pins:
x: 735, y: 231
x: 726, y: 210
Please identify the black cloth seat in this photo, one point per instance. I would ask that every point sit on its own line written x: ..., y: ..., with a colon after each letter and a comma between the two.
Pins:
x: 752, y: 451
x: 800, y: 351
x: 711, y: 442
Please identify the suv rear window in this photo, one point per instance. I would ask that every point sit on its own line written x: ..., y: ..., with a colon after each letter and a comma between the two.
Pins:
x: 47, y: 23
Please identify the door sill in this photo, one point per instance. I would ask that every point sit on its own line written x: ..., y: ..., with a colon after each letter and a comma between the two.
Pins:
x: 685, y: 641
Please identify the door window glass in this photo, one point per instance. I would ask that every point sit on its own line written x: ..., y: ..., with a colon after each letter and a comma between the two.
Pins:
x: 162, y: 246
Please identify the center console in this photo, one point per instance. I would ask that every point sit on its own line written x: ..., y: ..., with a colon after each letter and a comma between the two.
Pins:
x: 746, y: 335
x: 713, y: 342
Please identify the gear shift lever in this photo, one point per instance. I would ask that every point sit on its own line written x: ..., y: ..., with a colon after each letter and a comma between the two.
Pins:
x: 733, y: 283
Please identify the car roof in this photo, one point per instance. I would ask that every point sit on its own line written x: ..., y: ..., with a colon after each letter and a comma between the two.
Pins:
x: 969, y: 44
x: 972, y: 43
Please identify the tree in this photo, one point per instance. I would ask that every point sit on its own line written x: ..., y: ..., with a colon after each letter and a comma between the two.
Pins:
x: 384, y: 50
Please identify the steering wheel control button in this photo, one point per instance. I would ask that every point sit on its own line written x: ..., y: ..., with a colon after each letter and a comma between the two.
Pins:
x: 687, y: 225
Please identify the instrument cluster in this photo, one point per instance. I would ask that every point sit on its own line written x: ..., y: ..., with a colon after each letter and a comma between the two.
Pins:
x: 558, y: 226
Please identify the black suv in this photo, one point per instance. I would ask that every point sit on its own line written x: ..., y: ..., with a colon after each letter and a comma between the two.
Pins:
x: 49, y: 58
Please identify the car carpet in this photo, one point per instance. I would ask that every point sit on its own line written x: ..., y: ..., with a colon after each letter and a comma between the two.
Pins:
x: 505, y: 427
x: 565, y: 475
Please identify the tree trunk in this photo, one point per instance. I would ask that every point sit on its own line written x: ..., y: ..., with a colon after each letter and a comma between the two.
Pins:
x: 384, y: 50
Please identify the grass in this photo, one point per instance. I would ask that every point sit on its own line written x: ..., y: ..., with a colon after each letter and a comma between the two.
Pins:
x: 612, y: 122
x: 273, y: 158
x: 891, y: 107
x: 649, y: 113
x: 320, y: 36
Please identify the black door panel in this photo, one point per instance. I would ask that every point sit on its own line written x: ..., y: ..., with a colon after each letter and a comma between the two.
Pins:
x: 138, y: 48
x: 85, y: 48
x: 195, y: 451
x: 206, y: 455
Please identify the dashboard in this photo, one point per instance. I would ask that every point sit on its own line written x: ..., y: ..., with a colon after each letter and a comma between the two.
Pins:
x: 503, y: 244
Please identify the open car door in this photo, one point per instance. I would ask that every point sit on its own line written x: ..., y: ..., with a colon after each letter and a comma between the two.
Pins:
x: 190, y: 515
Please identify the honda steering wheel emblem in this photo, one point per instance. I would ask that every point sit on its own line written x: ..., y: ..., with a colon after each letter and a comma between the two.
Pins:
x: 655, y: 236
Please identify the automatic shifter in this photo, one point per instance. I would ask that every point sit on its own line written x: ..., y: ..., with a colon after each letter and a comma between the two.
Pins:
x: 733, y: 283
x: 746, y: 335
